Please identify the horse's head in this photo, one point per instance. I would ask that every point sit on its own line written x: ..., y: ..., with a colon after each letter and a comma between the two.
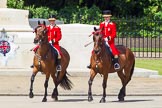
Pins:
x: 41, y: 33
x: 97, y: 38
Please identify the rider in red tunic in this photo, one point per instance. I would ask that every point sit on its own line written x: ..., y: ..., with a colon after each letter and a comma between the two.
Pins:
x: 54, y: 36
x: 108, y: 31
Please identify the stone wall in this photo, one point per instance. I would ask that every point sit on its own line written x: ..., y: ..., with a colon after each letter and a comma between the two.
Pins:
x: 75, y: 36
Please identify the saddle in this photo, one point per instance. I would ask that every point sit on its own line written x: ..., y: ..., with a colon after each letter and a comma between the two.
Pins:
x: 120, y: 48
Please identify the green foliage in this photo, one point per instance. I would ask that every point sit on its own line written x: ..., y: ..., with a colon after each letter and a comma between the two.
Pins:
x: 34, y: 12
x: 154, y: 9
x: 74, y: 14
x: 18, y: 4
x: 138, y: 27
x: 91, y: 16
x: 149, y: 8
x: 68, y: 14
x: 40, y: 12
x: 158, y: 15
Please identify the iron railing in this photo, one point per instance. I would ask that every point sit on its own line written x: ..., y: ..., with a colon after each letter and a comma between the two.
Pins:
x: 143, y: 36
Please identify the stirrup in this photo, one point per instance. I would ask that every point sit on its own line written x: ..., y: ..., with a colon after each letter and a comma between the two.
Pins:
x: 58, y: 68
x: 116, y: 66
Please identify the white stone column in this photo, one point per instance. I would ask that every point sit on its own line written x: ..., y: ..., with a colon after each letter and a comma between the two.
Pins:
x: 3, y: 3
x: 13, y: 20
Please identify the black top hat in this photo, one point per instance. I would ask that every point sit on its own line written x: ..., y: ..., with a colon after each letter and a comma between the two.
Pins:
x: 106, y: 13
x: 52, y: 17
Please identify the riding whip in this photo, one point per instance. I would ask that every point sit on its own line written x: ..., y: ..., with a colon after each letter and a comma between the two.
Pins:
x: 88, y: 44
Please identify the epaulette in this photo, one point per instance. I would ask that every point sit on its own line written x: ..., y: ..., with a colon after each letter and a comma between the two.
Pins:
x: 57, y: 26
x: 103, y: 22
x: 111, y: 23
x: 48, y: 25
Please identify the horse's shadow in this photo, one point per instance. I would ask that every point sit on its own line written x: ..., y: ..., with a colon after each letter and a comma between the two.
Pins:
x: 72, y: 100
x: 137, y: 100
x: 126, y: 101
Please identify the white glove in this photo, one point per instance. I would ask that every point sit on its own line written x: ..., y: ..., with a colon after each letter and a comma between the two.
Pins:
x: 50, y: 42
x: 106, y: 39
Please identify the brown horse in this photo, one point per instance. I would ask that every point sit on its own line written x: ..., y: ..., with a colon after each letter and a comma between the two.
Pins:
x: 101, y: 62
x: 45, y: 62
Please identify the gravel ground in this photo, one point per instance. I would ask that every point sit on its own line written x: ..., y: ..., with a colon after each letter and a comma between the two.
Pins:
x: 19, y: 85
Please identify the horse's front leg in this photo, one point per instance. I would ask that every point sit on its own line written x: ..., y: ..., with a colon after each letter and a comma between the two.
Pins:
x: 45, y: 86
x: 31, y: 95
x: 92, y: 75
x: 104, y: 84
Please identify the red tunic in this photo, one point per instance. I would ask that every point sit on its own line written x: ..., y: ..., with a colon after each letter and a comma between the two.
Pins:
x: 110, y: 30
x: 54, y: 33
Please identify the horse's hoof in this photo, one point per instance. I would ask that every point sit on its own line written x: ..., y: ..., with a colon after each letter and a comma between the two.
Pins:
x: 56, y: 98
x: 53, y: 96
x: 31, y: 95
x: 102, y: 100
x: 121, y: 99
x: 44, y: 100
x: 90, y: 98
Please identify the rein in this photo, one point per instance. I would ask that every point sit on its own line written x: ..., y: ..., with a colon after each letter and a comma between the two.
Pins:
x: 100, y: 55
x: 43, y: 57
x: 42, y: 40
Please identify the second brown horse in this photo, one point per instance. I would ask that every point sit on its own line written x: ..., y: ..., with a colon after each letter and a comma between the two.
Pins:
x: 101, y: 62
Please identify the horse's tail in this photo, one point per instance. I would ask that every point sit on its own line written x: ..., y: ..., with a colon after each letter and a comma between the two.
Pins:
x: 65, y: 82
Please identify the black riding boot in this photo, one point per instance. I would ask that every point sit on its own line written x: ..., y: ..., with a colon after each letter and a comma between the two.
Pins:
x: 32, y: 66
x: 89, y: 66
x: 116, y: 64
x: 58, y: 67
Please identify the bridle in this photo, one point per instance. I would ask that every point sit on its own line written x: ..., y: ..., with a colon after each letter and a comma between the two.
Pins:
x: 41, y: 34
x: 97, y: 38
x: 41, y: 38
